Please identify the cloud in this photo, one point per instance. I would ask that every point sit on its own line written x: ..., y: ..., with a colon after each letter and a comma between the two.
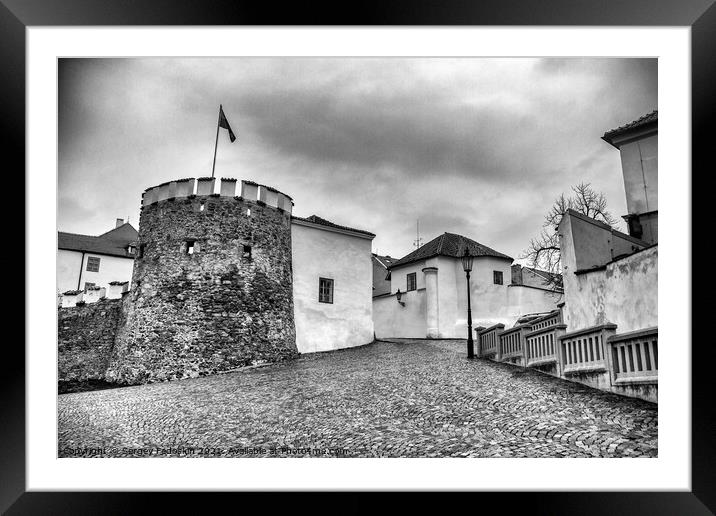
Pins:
x: 473, y: 146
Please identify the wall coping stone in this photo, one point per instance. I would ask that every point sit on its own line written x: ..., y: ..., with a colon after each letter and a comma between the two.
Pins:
x: 620, y: 337
x: 591, y: 329
x: 493, y: 327
x: 546, y: 329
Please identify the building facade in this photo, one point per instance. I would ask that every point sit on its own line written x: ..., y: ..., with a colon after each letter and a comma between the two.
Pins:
x: 85, y: 261
x: 432, y: 287
x: 332, y: 284
x: 638, y: 144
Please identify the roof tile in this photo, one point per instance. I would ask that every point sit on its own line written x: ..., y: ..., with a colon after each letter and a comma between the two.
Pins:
x: 315, y: 219
x: 650, y: 118
x: 112, y: 243
x: 448, y: 244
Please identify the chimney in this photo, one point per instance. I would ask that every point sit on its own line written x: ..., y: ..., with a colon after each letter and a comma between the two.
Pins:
x: 119, y: 223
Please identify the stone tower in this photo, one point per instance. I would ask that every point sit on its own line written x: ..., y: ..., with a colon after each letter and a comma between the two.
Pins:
x: 212, y: 283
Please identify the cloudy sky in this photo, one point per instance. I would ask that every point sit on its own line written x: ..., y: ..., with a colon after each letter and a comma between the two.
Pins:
x: 478, y: 147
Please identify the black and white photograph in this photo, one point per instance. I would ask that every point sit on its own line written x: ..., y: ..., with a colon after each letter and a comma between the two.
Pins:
x: 341, y: 257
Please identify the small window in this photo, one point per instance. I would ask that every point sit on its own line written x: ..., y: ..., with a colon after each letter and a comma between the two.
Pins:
x: 131, y: 249
x: 92, y: 264
x: 190, y: 246
x: 411, y: 281
x: 497, y: 277
x: 325, y: 290
x: 88, y: 285
x: 248, y: 212
x: 246, y: 253
x: 142, y: 248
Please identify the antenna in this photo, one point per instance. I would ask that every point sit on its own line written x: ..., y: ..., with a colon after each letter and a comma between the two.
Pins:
x: 418, y: 241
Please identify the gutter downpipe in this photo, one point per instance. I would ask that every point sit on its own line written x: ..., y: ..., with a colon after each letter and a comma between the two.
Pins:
x: 82, y: 264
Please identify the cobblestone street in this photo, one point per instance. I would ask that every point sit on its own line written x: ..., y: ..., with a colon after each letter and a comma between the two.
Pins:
x: 388, y: 399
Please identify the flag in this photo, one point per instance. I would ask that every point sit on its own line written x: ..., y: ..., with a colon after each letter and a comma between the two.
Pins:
x: 223, y: 122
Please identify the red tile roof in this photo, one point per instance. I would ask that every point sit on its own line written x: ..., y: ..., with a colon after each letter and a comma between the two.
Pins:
x: 448, y: 244
x: 643, y: 122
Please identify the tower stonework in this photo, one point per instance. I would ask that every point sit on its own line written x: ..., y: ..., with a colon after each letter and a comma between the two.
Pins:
x: 212, y: 283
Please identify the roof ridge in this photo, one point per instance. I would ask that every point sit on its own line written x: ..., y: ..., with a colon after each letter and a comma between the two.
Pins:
x: 77, y: 234
x: 641, y: 118
x: 116, y: 228
x: 643, y: 121
x: 448, y: 244
x: 440, y: 242
x: 378, y: 259
x: 320, y: 221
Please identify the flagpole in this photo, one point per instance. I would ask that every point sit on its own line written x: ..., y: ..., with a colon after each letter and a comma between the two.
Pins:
x: 216, y: 143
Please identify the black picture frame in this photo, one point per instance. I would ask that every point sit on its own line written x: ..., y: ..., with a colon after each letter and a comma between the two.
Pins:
x: 700, y: 15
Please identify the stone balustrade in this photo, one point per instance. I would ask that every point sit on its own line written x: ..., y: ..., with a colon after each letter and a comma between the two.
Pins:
x: 541, y: 346
x: 634, y: 357
x: 489, y: 342
x: 584, y: 350
x: 624, y: 363
x: 512, y: 344
x: 552, y: 318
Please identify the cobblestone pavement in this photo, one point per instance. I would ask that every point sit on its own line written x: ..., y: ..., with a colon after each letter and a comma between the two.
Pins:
x: 387, y: 399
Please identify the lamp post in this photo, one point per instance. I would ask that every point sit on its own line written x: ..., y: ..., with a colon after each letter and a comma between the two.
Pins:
x: 467, y: 267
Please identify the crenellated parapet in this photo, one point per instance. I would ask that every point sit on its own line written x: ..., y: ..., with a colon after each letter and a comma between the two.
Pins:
x: 249, y: 191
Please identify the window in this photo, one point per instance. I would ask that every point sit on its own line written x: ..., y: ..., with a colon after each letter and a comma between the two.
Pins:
x: 88, y: 285
x: 92, y: 264
x: 190, y: 246
x: 246, y: 253
x: 142, y: 248
x: 130, y: 249
x: 411, y: 281
x: 325, y: 290
x: 248, y: 212
x: 497, y: 277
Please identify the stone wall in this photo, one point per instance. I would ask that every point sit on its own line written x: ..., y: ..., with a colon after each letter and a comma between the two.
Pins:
x: 85, y: 336
x: 199, y: 304
x: 624, y: 292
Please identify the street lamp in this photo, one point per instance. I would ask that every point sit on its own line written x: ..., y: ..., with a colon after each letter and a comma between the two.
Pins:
x: 467, y: 267
x: 398, y: 295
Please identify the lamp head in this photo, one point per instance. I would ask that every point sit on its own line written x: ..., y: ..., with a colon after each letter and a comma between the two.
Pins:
x: 467, y: 261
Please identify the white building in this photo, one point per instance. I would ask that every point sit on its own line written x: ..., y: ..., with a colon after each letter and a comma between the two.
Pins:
x: 433, y: 292
x: 85, y: 261
x: 638, y: 144
x: 332, y: 285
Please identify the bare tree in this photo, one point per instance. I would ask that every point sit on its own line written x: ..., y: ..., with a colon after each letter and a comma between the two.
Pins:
x: 543, y: 252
